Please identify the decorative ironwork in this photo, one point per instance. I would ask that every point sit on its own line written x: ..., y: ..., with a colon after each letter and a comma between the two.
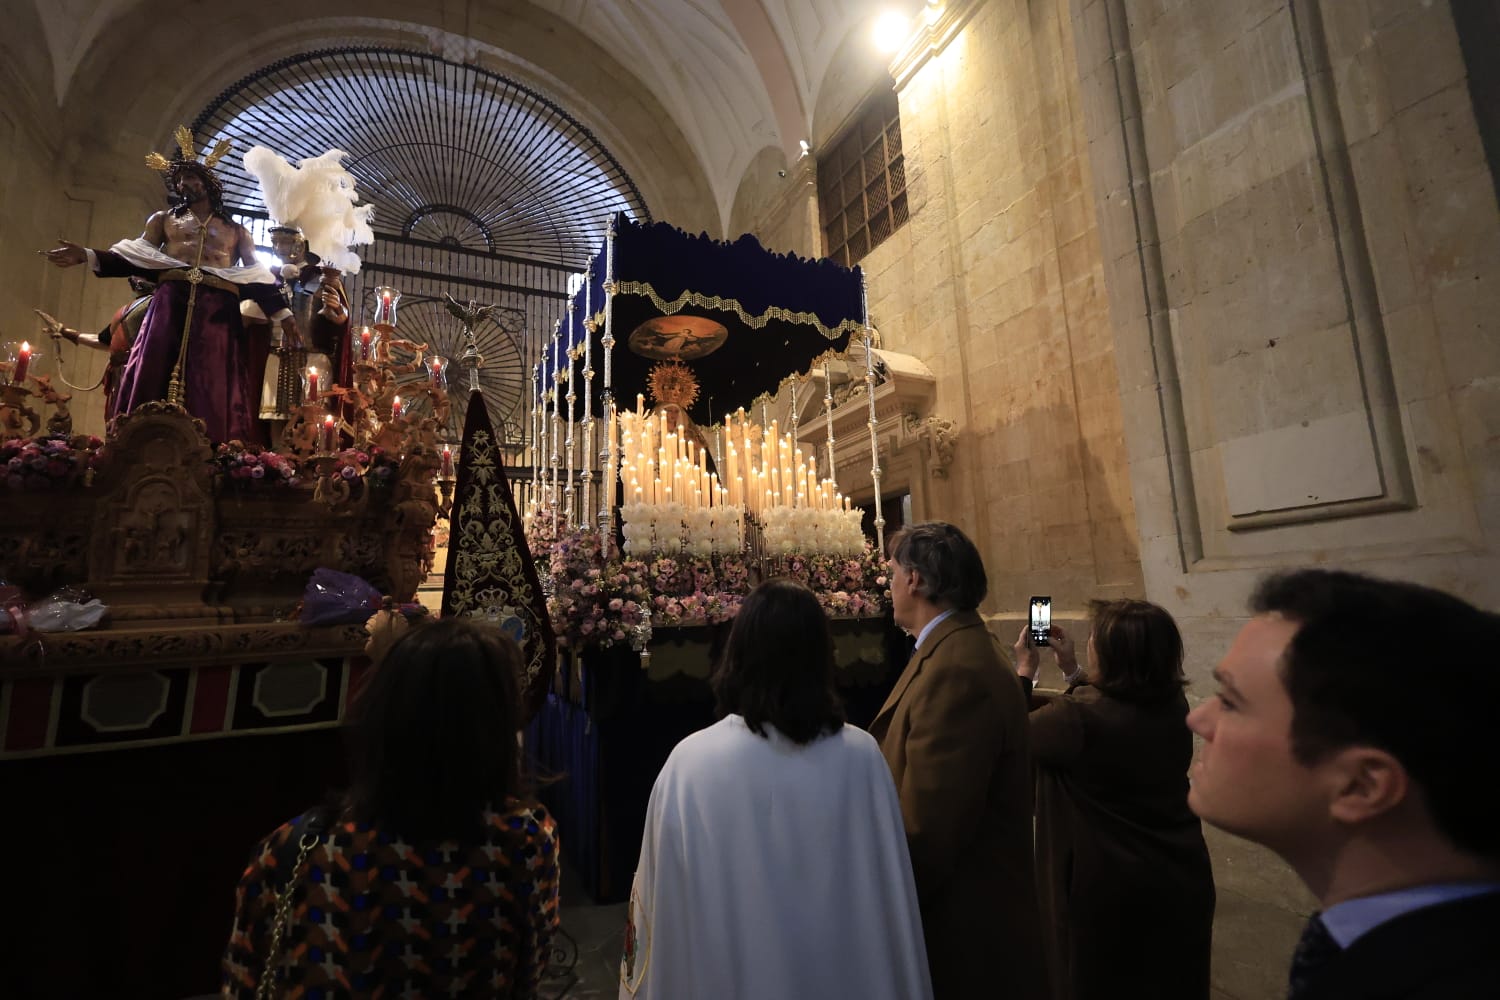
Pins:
x: 862, y: 182
x: 498, y: 336
x: 483, y: 189
x: 425, y: 134
x: 562, y: 966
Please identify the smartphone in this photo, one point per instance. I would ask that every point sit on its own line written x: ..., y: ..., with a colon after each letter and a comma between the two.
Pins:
x: 1040, y: 621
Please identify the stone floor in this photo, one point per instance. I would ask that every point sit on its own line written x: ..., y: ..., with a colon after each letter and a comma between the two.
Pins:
x: 599, y: 934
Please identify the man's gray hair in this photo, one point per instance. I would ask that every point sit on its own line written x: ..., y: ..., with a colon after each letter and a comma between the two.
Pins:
x: 949, y: 565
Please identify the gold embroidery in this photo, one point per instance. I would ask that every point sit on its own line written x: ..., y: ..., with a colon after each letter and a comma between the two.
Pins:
x: 489, y: 574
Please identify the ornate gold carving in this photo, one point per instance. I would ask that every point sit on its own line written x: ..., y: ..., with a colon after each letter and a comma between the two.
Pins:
x: 155, y: 540
x: 672, y: 383
x: 938, y: 437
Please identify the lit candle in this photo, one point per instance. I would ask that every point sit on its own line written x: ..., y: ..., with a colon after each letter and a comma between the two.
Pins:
x: 364, y: 343
x: 435, y: 372
x: 396, y: 408
x: 23, y: 362
x: 447, y: 469
x: 312, y: 385
x: 328, y: 434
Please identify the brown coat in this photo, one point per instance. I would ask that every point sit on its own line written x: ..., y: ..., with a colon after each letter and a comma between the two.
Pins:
x: 955, y: 735
x: 1126, y: 888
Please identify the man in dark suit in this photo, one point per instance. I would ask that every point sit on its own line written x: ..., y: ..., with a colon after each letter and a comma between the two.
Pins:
x: 1331, y: 744
x: 954, y: 732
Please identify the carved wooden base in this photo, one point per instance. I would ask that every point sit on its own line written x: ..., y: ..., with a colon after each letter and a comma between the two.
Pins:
x: 159, y: 537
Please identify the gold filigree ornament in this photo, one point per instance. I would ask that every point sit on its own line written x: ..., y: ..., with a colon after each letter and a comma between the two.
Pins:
x: 673, y: 383
x: 188, y: 153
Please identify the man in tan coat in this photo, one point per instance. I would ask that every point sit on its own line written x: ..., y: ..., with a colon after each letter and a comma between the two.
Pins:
x: 954, y: 732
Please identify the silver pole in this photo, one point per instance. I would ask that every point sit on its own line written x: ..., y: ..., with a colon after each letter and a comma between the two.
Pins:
x: 586, y: 473
x: 534, y: 425
x: 607, y: 493
x: 864, y: 303
x: 572, y: 417
x: 556, y: 419
x: 828, y: 411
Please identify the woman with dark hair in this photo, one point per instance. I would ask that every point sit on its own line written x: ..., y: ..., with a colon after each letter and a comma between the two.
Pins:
x: 774, y: 861
x: 1126, y: 889
x: 433, y: 875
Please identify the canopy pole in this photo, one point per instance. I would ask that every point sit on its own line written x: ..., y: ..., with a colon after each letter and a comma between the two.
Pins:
x: 864, y: 307
x: 586, y: 470
x: 556, y: 461
x: 608, y: 453
x: 828, y: 411
x: 570, y: 520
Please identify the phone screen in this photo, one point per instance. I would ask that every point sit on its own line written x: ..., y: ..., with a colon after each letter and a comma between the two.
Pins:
x: 1041, y: 620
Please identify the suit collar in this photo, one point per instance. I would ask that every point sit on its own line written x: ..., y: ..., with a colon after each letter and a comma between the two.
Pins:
x: 1404, y: 953
x: 945, y: 628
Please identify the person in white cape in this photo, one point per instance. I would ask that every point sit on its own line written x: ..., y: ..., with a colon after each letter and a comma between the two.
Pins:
x: 774, y: 861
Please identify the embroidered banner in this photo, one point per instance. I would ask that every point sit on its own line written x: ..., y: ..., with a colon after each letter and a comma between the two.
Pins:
x: 490, y: 572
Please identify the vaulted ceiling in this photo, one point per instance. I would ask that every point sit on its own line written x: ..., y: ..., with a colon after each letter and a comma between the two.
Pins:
x: 733, y: 76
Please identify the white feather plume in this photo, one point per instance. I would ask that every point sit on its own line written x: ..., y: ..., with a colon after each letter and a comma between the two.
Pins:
x: 318, y: 197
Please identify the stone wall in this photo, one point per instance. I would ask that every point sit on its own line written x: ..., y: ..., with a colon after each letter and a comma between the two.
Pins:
x: 1302, y: 250
x: 1210, y: 290
x: 997, y: 283
x: 34, y: 212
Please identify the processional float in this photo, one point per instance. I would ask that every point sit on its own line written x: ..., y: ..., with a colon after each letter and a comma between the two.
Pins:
x: 707, y: 333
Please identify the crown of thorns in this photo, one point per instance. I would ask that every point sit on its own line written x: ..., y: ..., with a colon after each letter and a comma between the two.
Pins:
x: 188, y: 153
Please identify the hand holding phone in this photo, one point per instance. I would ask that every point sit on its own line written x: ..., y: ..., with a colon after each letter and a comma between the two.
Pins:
x: 1039, y: 622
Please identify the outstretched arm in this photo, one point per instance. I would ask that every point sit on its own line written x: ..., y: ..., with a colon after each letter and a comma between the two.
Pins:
x: 66, y: 254
x: 69, y: 254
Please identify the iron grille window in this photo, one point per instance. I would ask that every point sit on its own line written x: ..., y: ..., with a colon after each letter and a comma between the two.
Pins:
x: 862, y: 182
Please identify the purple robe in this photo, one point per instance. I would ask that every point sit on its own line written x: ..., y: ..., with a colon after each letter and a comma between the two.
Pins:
x: 216, y: 379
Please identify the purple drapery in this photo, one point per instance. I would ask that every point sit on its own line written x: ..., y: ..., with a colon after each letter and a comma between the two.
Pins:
x: 215, y: 375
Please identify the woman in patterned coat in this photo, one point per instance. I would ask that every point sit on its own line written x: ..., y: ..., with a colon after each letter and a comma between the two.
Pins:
x: 434, y: 875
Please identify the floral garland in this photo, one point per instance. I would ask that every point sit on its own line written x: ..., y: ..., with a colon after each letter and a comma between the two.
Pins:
x: 250, y: 465
x: 56, y: 461
x: 597, y: 602
x: 47, y: 463
x: 244, y: 465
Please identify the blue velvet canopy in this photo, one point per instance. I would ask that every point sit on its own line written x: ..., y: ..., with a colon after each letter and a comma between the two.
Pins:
x: 781, y: 312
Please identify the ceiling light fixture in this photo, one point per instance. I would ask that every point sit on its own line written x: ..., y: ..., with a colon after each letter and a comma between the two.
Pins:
x: 890, y: 31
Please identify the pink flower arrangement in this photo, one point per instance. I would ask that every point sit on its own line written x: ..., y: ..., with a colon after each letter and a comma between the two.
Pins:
x: 47, y: 463
x: 598, y: 602
x: 249, y: 464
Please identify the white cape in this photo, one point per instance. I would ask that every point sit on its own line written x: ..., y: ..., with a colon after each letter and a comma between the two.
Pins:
x: 770, y: 870
x: 144, y: 255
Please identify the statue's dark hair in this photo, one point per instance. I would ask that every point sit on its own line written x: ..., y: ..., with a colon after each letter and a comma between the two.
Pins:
x: 210, y: 182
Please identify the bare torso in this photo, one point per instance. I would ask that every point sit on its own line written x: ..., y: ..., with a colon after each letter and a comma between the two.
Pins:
x: 225, y: 244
